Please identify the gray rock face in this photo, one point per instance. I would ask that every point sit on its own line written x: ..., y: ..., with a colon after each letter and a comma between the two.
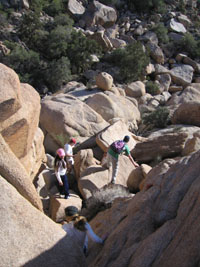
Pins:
x: 75, y: 7
x: 182, y: 74
x: 99, y: 14
x: 177, y: 26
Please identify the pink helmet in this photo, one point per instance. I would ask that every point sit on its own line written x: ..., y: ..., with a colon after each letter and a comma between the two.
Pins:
x: 60, y: 152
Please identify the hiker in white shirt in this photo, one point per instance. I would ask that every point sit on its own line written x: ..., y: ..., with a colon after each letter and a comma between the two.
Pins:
x: 78, y: 228
x: 69, y: 154
x: 60, y: 167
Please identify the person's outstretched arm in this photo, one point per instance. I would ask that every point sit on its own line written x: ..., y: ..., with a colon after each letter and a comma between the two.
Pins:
x: 133, y: 161
x: 92, y: 235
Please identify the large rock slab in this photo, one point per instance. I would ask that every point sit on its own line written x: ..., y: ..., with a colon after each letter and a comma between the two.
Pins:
x: 20, y: 109
x: 96, y: 177
x: 190, y: 93
x: 115, y: 132
x: 10, y: 95
x: 187, y: 113
x: 14, y: 172
x: 58, y: 205
x: 63, y: 116
x: 19, y: 129
x: 29, y: 238
x: 161, y: 218
x: 182, y: 74
x: 110, y: 106
x: 83, y: 159
x: 99, y: 14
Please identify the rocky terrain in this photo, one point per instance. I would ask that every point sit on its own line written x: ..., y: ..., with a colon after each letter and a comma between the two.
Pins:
x: 151, y: 215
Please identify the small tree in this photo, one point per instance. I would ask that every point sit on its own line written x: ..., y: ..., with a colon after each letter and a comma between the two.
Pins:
x: 80, y: 50
x: 131, y: 60
x: 162, y: 33
x: 159, y: 118
x: 152, y: 88
x: 58, y: 72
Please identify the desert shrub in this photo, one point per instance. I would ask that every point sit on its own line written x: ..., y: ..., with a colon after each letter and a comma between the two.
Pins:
x: 146, y: 5
x: 152, y: 88
x: 64, y: 20
x: 110, y: 2
x: 162, y: 33
x: 29, y: 24
x: 25, y: 62
x: 3, y: 19
x: 131, y: 60
x: 57, y: 73
x: 102, y: 199
x: 80, y: 49
x: 190, y: 45
x: 57, y: 43
x: 55, y: 7
x: 158, y: 118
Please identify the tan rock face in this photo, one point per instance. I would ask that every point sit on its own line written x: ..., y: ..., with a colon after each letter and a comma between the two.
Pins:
x: 95, y: 177
x: 104, y: 81
x: 168, y: 145
x: 36, y: 155
x: 187, y: 113
x: 115, y: 132
x: 83, y: 159
x: 135, y: 89
x: 63, y: 116
x: 136, y: 177
x: 111, y: 106
x: 19, y: 112
x: 156, y: 226
x: 58, y: 205
x: 19, y: 130
x: 14, y: 172
x: 29, y: 238
x: 10, y: 95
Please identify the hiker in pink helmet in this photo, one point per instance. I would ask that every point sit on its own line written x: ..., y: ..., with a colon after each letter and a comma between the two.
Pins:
x: 115, y: 149
x: 69, y: 154
x: 60, y: 166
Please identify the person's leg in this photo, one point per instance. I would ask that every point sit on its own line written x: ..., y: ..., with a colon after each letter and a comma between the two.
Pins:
x: 65, y: 185
x: 115, y: 166
x: 60, y: 188
x: 109, y: 166
x: 69, y: 166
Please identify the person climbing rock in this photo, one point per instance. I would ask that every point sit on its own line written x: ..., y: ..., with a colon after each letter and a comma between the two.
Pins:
x: 115, y: 149
x: 69, y: 154
x: 60, y: 167
x: 79, y: 229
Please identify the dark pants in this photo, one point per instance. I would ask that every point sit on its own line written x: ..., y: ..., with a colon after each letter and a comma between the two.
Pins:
x: 65, y: 188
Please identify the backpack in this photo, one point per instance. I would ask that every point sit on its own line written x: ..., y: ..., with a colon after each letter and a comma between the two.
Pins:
x: 117, y: 146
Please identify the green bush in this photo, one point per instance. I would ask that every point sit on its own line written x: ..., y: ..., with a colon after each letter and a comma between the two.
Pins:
x: 110, y: 2
x: 57, y: 43
x: 55, y: 7
x: 80, y: 49
x: 64, y: 20
x: 190, y: 45
x: 131, y: 60
x: 146, y: 5
x: 57, y: 73
x: 29, y: 24
x: 161, y: 32
x: 25, y: 62
x: 152, y: 88
x: 159, y: 118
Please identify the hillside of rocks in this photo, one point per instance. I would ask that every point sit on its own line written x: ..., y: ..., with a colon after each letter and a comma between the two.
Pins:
x: 150, y: 216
